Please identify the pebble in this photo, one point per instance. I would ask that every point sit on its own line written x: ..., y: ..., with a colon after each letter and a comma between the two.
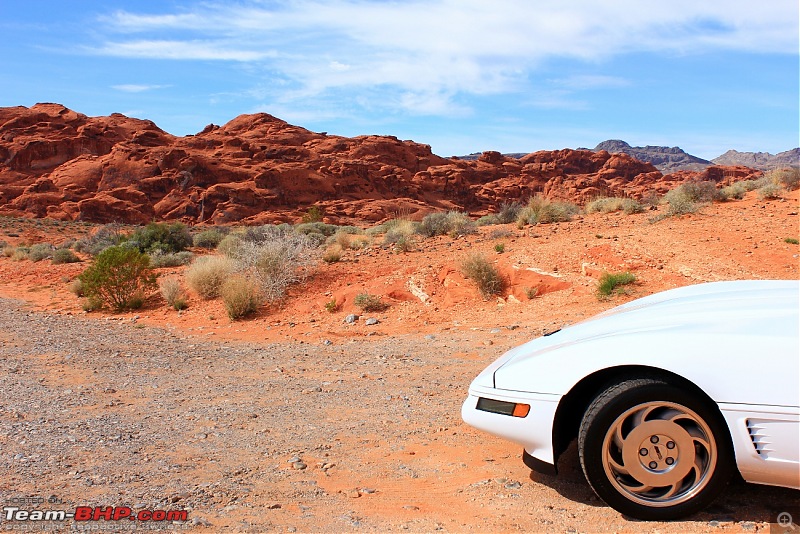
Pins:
x: 371, y: 321
x: 351, y: 318
x: 299, y: 466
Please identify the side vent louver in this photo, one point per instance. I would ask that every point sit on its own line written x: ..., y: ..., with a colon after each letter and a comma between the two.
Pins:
x: 761, y: 440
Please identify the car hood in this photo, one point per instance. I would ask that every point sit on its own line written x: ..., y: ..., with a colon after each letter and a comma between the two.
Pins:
x: 680, y: 330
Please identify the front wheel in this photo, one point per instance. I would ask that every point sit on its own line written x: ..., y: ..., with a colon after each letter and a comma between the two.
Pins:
x: 654, y: 451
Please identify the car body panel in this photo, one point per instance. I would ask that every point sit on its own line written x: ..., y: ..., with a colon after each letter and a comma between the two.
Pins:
x: 736, y: 341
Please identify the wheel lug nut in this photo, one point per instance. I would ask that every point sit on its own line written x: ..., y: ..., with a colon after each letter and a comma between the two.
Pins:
x: 653, y: 439
x: 670, y: 460
x: 670, y: 444
x: 653, y: 465
x: 643, y: 451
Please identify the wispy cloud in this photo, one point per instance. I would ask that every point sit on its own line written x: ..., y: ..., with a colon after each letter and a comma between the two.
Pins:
x: 137, y: 88
x: 430, y: 52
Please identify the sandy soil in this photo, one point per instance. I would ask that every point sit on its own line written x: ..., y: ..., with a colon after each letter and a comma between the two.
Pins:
x: 380, y: 402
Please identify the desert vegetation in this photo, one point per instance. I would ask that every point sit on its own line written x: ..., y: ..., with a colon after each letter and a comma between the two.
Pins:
x: 484, y: 274
x: 611, y: 283
x: 119, y: 278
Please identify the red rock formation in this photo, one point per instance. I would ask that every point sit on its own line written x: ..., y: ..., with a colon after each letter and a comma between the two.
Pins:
x: 57, y: 163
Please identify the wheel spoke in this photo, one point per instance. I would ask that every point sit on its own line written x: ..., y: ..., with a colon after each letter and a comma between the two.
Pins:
x: 619, y: 468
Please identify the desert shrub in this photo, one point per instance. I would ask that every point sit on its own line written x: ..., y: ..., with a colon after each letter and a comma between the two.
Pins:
x: 332, y: 306
x: 230, y: 244
x: 453, y: 223
x: 207, y: 274
x: 240, y: 296
x: 404, y: 244
x: 19, y: 253
x: 539, y: 210
x: 265, y: 232
x: 770, y: 192
x: 400, y: 231
x: 3, y: 244
x: 509, y: 211
x: 610, y: 204
x: 67, y: 243
x: 40, y: 251
x: 316, y: 228
x: 75, y: 287
x: 160, y: 259
x: 106, y: 236
x: 500, y: 233
x: 118, y: 278
x: 531, y: 292
x: 610, y: 282
x: 734, y: 191
x: 485, y: 275
x: 332, y: 254
x: 788, y: 178
x: 208, y: 238
x: 359, y: 242
x: 791, y: 241
x: 369, y: 303
x: 64, y: 255
x: 162, y: 237
x: 173, y: 293
x: 488, y: 220
x: 313, y: 214
x: 340, y: 238
x: 500, y: 248
x: 275, y: 264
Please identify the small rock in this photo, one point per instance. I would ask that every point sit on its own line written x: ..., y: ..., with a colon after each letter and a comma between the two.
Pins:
x: 274, y: 506
x: 327, y: 342
x: 367, y: 490
x: 353, y: 494
x: 299, y: 466
x: 747, y: 525
x: 351, y: 318
x: 199, y: 521
x: 294, y: 459
x: 513, y: 485
x: 430, y: 337
x: 410, y: 507
x: 371, y: 321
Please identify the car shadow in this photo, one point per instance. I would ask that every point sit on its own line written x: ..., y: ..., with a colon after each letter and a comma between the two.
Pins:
x: 740, y: 502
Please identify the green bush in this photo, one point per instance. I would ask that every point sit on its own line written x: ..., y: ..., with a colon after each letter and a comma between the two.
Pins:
x: 314, y: 214
x: 453, y: 223
x: 240, y: 296
x: 208, y: 238
x: 64, y: 255
x: 40, y: 251
x: 539, y: 210
x: 488, y: 220
x: 734, y: 191
x: 369, y: 303
x: 173, y: 293
x: 791, y: 241
x: 609, y: 283
x: 485, y: 275
x: 500, y: 248
x: 162, y: 237
x: 207, y: 274
x: 118, y: 278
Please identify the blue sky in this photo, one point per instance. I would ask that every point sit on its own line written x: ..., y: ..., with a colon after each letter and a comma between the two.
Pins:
x: 461, y: 75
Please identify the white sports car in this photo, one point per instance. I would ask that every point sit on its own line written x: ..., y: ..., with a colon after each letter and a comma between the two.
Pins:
x: 667, y: 396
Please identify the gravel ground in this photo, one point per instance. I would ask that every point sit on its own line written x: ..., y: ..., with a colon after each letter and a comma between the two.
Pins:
x: 351, y: 436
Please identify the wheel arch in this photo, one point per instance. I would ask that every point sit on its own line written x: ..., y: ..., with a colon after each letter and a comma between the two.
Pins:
x: 573, y: 405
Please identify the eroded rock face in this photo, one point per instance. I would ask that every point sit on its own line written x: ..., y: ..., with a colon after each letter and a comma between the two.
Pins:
x: 57, y: 163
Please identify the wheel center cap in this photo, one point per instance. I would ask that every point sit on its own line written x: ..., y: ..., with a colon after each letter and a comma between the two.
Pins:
x: 658, y: 453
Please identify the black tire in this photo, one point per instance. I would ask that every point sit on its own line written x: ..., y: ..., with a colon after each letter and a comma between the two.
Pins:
x: 654, y: 451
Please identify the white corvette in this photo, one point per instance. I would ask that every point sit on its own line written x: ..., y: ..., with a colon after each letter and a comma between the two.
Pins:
x: 667, y: 396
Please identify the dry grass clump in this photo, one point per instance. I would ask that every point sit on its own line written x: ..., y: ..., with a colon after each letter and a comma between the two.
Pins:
x: 539, y: 210
x: 207, y: 274
x: 788, y: 178
x: 40, y: 251
x: 332, y: 254
x: 628, y: 206
x: 276, y: 263
x: 369, y: 303
x: 241, y: 296
x: 452, y: 223
x: 173, y: 293
x: 64, y: 255
x: 485, y: 275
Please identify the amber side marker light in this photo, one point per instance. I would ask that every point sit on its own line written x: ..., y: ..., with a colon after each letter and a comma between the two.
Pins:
x: 502, y: 407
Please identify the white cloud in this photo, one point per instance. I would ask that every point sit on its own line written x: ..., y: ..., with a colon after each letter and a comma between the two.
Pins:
x: 137, y: 88
x: 429, y: 52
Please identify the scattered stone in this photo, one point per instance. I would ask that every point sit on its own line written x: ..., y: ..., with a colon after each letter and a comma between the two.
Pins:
x: 353, y: 494
x: 368, y: 490
x: 299, y: 466
x: 274, y: 506
x: 327, y: 342
x: 371, y: 321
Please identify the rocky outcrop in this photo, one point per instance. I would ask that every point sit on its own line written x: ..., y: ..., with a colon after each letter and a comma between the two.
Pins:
x: 760, y: 160
x: 57, y: 163
x: 665, y: 159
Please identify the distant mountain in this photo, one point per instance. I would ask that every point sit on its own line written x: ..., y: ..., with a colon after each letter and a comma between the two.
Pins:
x: 760, y: 160
x: 665, y: 159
